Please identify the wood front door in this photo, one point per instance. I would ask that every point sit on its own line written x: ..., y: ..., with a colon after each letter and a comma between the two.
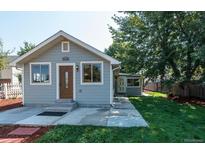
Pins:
x: 66, y: 82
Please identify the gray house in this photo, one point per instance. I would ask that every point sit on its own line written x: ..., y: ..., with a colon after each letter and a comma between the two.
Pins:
x: 10, y: 74
x: 64, y: 69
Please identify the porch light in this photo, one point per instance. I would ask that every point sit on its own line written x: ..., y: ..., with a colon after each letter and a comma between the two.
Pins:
x: 77, y: 68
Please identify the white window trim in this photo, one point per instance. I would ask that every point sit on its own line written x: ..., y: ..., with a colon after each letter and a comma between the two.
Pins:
x: 22, y: 82
x: 133, y: 86
x: 62, y: 46
x: 41, y: 63
x: 57, y: 79
x: 81, y: 73
x: 111, y: 85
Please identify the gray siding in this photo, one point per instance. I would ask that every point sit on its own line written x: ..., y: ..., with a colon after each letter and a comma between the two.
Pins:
x: 85, y: 94
x: 133, y: 91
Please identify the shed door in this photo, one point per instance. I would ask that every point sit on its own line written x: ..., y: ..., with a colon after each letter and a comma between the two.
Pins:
x: 66, y: 82
x: 121, y: 88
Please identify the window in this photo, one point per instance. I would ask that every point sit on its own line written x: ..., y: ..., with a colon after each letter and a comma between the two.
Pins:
x: 65, y: 46
x: 66, y: 80
x: 40, y: 73
x: 91, y: 73
x: 87, y: 73
x: 133, y: 82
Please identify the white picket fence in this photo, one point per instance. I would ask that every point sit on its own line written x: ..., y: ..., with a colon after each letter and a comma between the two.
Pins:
x: 8, y: 90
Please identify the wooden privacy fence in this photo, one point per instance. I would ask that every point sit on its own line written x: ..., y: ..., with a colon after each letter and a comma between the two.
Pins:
x: 153, y: 86
x: 8, y: 90
x: 182, y: 90
x: 156, y: 86
x: 190, y: 90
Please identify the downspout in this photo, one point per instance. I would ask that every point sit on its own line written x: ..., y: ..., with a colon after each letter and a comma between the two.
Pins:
x: 22, y: 81
x: 115, y: 87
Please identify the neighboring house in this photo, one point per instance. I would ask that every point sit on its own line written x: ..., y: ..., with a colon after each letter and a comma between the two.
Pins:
x: 128, y: 84
x: 10, y: 74
x: 63, y: 68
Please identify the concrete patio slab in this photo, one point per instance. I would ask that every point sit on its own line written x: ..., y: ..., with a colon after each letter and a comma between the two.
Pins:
x: 28, y: 110
x: 124, y: 112
x: 75, y: 116
x: 21, y: 131
x: 122, y: 103
x: 11, y: 119
x: 121, y: 114
x: 14, y: 115
x: 39, y: 120
x: 85, y: 116
x: 97, y: 119
x: 125, y: 121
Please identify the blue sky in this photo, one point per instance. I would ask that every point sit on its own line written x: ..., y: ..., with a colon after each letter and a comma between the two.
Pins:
x: 90, y: 27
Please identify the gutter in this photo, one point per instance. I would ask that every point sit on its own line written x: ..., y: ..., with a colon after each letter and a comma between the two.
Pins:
x: 116, y: 68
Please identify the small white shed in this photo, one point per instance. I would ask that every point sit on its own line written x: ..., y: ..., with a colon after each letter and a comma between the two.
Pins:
x: 129, y: 84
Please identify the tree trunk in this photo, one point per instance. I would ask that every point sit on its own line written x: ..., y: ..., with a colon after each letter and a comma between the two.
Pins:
x: 188, y: 67
x: 174, y: 68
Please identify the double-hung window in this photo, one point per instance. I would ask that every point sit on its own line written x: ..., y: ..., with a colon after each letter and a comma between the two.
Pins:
x: 40, y: 73
x: 91, y: 72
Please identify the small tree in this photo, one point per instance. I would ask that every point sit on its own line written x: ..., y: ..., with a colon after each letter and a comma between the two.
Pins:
x: 3, y: 56
x: 19, y: 76
x: 27, y: 47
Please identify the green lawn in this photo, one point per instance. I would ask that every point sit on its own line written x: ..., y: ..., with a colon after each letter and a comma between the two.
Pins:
x: 156, y: 94
x: 168, y: 121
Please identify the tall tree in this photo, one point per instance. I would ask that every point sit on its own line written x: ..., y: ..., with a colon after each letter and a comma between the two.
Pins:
x: 3, y: 56
x: 160, y: 44
x: 27, y: 47
x: 189, y: 26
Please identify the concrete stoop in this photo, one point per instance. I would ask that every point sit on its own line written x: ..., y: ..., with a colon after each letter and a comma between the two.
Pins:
x: 62, y: 107
x: 55, y: 107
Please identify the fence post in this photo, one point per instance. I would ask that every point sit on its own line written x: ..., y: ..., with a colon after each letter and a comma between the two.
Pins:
x: 5, y: 91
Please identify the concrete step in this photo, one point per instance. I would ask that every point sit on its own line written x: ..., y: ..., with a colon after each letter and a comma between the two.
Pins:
x: 62, y: 106
x: 65, y: 101
x: 59, y: 109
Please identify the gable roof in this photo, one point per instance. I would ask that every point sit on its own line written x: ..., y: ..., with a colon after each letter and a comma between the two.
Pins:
x: 72, y: 39
x: 11, y: 58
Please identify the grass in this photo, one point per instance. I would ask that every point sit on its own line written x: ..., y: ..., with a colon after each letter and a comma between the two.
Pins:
x: 168, y: 122
x: 156, y: 94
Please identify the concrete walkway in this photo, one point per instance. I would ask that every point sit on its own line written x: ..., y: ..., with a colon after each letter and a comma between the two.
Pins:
x: 121, y: 114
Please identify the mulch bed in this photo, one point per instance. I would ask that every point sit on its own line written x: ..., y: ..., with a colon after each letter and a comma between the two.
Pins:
x: 6, y: 104
x: 196, y: 101
x: 6, y: 129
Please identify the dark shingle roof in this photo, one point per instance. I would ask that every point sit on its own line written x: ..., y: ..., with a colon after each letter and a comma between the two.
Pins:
x: 12, y: 58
